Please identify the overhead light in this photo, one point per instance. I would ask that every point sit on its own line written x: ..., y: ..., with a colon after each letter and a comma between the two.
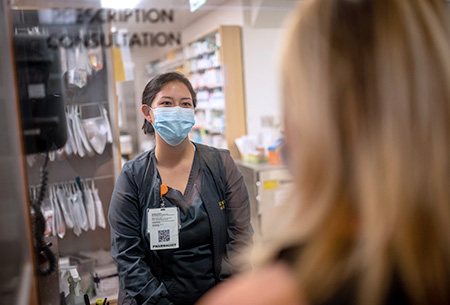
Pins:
x: 195, y: 4
x: 119, y: 4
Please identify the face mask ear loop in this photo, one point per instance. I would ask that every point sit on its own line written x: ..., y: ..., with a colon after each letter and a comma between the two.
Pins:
x: 150, y: 108
x: 151, y: 121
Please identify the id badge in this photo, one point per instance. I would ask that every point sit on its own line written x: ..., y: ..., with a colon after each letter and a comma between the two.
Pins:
x: 163, y: 228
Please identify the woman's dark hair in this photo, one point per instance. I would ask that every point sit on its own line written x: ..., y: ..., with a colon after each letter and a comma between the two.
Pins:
x: 155, y: 85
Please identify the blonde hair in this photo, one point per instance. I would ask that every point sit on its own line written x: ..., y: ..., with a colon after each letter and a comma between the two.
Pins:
x: 367, y: 100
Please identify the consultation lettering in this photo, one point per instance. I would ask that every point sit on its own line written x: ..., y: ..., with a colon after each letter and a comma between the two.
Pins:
x: 119, y: 37
x: 116, y: 39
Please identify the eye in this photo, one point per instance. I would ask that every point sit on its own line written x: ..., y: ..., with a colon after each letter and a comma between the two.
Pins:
x: 186, y: 104
x: 166, y: 103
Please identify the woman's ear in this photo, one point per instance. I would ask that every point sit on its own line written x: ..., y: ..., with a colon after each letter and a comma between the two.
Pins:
x: 146, y: 112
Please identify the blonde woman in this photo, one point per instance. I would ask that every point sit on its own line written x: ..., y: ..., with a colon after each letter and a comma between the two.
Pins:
x: 367, y: 100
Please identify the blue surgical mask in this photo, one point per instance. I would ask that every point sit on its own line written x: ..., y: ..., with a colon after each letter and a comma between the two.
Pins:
x: 173, y: 123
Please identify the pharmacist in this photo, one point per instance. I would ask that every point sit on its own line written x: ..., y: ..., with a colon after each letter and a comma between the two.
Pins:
x: 179, y: 213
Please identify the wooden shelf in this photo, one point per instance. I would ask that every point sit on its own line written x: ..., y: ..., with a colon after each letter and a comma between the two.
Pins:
x: 200, y: 55
x: 208, y: 130
x: 210, y: 108
x: 231, y: 58
x: 199, y: 71
x: 210, y: 87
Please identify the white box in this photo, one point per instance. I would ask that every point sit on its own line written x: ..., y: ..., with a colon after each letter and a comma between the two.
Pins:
x: 106, y: 280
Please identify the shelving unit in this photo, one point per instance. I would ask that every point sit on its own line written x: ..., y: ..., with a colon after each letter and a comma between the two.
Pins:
x: 213, y: 63
x: 99, y: 167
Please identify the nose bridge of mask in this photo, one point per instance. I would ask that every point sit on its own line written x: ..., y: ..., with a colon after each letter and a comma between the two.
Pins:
x: 176, y: 113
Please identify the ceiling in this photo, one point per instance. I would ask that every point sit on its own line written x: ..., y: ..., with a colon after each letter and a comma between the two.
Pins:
x: 174, y: 4
x: 184, y: 17
x: 180, y: 7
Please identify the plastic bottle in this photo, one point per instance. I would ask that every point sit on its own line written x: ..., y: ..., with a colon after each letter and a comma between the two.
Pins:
x: 75, y: 297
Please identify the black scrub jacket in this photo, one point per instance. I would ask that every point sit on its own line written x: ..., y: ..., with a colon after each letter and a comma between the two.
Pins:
x: 138, y: 188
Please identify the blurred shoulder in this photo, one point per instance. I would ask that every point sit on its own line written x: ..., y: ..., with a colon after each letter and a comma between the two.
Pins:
x: 274, y: 284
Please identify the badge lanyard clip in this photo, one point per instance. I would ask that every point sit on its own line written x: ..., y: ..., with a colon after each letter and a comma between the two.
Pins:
x: 164, y: 190
x: 163, y: 225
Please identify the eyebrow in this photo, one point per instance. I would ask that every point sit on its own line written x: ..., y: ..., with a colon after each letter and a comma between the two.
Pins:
x: 171, y: 98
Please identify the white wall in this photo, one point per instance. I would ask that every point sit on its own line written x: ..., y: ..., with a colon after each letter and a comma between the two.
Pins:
x: 262, y: 36
x: 261, y: 76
